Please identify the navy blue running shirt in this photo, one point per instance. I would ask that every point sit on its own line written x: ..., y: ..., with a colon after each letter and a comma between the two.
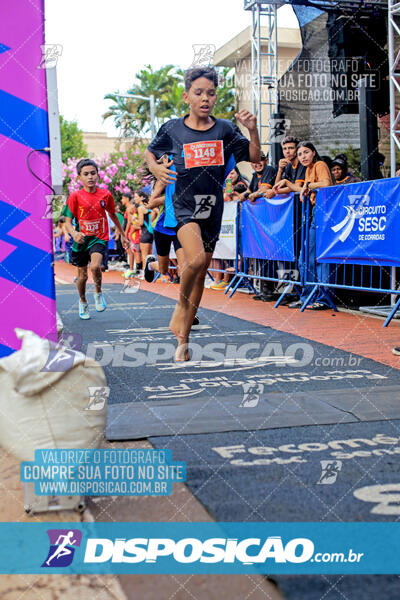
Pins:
x: 295, y: 174
x: 201, y: 159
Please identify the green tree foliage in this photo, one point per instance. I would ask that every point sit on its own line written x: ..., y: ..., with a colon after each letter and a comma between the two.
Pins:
x: 72, y: 145
x: 226, y: 105
x: 123, y: 112
x: 174, y: 104
x: 132, y: 117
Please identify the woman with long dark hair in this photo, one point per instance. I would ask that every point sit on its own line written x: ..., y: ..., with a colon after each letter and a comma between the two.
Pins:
x: 317, y: 176
x: 235, y: 185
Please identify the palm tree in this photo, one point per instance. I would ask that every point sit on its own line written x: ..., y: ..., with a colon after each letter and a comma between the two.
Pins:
x: 132, y: 116
x: 174, y: 103
x: 226, y: 105
x: 123, y: 112
x: 166, y: 84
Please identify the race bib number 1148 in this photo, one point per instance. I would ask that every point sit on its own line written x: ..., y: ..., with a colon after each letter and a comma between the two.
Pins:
x: 204, y: 154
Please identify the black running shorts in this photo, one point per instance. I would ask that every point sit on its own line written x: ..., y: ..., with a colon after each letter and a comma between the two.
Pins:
x: 163, y: 243
x: 82, y: 257
x: 146, y: 237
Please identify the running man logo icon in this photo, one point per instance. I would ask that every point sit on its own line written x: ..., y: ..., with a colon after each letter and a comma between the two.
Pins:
x: 97, y: 398
x: 50, y: 55
x: 251, y: 394
x: 203, y: 55
x: 204, y: 204
x: 130, y: 286
x: 278, y: 128
x: 62, y: 547
x: 330, y: 471
x: 61, y: 356
x: 354, y: 211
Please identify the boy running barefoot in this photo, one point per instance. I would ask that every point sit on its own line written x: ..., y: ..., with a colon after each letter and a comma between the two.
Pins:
x: 202, y: 149
x: 88, y: 206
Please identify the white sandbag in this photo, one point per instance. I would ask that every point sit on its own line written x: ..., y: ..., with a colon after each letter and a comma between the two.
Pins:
x: 45, y: 408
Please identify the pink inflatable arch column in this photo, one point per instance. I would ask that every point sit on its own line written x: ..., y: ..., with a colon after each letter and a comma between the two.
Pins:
x: 27, y: 293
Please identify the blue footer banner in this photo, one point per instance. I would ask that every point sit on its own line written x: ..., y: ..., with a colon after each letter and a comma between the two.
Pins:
x: 359, y: 223
x: 208, y: 548
x: 267, y: 228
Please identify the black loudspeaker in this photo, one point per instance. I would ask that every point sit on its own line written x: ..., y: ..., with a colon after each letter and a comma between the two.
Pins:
x: 357, y: 49
x: 368, y: 134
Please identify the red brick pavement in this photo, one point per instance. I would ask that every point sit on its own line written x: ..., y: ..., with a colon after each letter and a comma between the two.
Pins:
x: 353, y: 332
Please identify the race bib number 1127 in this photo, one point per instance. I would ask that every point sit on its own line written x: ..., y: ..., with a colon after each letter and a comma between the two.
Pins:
x: 203, y: 154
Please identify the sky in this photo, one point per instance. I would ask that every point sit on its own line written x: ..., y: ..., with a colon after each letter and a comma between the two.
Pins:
x: 105, y: 43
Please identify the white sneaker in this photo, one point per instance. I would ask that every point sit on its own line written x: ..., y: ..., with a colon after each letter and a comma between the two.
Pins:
x: 84, y: 310
x: 99, y: 302
x: 140, y: 275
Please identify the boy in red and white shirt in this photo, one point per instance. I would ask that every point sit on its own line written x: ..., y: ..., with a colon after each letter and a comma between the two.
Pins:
x: 88, y: 206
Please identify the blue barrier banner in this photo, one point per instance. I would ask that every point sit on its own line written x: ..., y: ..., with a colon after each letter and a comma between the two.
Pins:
x: 208, y: 548
x: 359, y: 223
x: 267, y: 228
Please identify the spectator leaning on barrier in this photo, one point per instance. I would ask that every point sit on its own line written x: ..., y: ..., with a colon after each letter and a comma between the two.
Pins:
x: 317, y: 176
x: 235, y: 185
x: 261, y: 185
x: 262, y: 181
x: 340, y: 172
x: 290, y: 168
x: 290, y: 178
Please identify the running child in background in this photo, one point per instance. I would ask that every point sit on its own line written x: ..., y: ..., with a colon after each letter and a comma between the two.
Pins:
x: 204, y: 149
x: 88, y: 206
x: 145, y: 217
x: 132, y: 231
x: 58, y: 238
x: 120, y: 211
x: 163, y: 236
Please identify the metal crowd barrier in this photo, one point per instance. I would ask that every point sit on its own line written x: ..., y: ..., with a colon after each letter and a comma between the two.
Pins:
x: 221, y: 265
x: 363, y: 278
x: 250, y: 272
x: 218, y: 265
x: 347, y: 276
x: 255, y: 270
x: 171, y: 267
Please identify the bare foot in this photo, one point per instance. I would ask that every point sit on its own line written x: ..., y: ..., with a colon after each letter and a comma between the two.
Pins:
x: 176, y: 321
x: 182, y: 352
